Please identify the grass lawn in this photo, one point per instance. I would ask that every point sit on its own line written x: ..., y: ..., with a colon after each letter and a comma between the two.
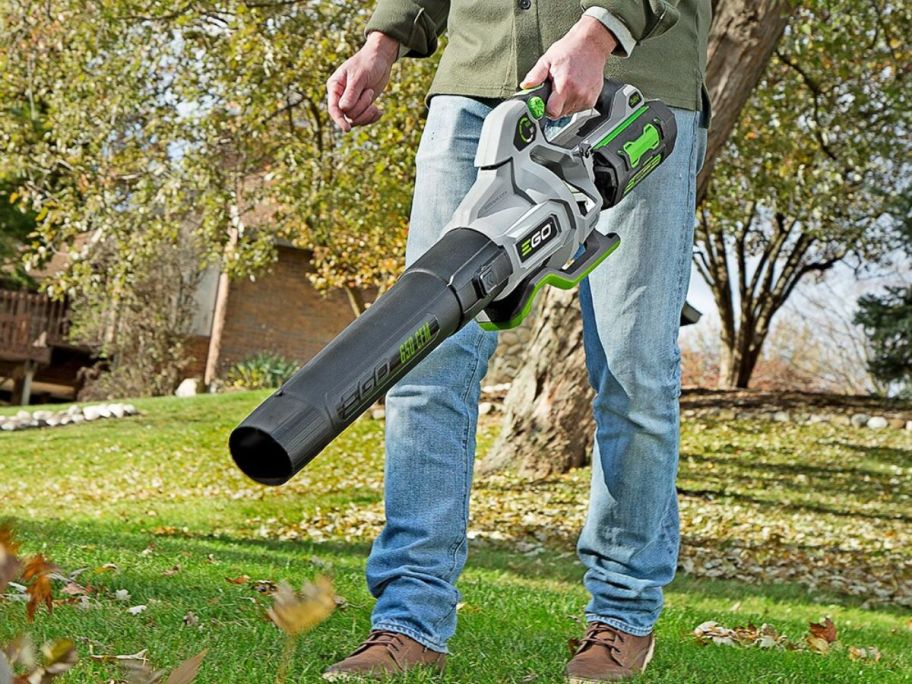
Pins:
x: 782, y: 524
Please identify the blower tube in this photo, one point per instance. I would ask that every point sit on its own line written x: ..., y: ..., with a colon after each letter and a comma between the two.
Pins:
x: 441, y: 292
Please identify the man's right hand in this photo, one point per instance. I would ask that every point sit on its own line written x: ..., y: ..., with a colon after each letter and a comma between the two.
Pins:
x: 352, y: 89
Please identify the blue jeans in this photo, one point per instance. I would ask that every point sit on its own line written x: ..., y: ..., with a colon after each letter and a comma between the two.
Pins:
x: 631, y: 307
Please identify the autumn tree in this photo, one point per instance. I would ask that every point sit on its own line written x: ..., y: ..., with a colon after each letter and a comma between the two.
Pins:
x: 808, y: 177
x: 547, y: 425
x: 200, y: 123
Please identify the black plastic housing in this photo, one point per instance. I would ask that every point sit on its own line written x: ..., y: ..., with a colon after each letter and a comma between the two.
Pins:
x: 435, y: 297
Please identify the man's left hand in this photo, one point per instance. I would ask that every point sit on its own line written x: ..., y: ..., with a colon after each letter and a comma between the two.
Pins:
x: 576, y: 65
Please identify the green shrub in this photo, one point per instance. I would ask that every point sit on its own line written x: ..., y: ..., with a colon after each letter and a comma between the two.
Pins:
x: 262, y: 371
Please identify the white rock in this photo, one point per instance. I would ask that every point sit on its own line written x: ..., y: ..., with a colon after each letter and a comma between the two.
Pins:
x: 909, y: 425
x: 117, y: 411
x: 187, y: 388
x: 860, y: 419
x: 781, y: 416
x: 78, y: 418
x: 91, y: 413
x: 877, y: 423
x: 378, y: 413
x: 104, y: 411
x: 74, y: 410
x: 41, y: 415
x: 9, y: 426
x: 122, y: 595
x: 130, y: 410
x: 485, y: 407
x: 54, y: 421
x: 23, y: 415
x: 136, y: 610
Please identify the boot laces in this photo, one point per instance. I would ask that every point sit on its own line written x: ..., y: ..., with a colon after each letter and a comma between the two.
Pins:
x: 600, y: 634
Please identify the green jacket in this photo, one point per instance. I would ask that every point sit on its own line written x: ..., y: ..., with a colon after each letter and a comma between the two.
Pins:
x: 492, y: 44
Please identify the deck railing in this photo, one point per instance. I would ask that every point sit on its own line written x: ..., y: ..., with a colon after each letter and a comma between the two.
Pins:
x: 30, y: 324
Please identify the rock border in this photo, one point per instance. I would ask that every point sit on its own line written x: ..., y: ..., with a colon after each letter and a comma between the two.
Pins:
x: 25, y: 420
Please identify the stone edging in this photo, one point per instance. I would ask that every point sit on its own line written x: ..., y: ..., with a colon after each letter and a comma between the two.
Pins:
x: 72, y: 415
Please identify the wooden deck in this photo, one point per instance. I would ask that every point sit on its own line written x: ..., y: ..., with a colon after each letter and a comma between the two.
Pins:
x: 30, y: 325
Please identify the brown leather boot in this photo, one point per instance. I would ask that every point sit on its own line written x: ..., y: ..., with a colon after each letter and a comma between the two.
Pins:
x: 382, y: 655
x: 607, y: 654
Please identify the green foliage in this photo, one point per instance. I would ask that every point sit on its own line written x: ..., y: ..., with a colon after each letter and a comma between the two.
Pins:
x: 15, y: 226
x: 208, y: 116
x: 887, y: 320
x: 262, y: 371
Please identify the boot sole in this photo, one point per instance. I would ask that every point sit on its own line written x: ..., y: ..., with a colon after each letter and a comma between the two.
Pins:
x: 585, y: 680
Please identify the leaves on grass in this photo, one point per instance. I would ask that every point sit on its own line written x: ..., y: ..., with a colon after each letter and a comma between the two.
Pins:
x: 821, y: 638
x: 136, y: 610
x: 295, y: 613
x: 139, y: 655
x: 9, y: 563
x: 58, y: 657
x: 186, y: 672
x: 37, y: 573
x: 138, y: 671
x: 265, y: 586
x: 242, y: 579
x: 764, y: 636
x: 868, y: 653
x: 825, y: 630
x: 821, y: 635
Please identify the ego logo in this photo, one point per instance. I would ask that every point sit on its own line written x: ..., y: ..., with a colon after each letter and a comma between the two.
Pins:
x: 537, y: 238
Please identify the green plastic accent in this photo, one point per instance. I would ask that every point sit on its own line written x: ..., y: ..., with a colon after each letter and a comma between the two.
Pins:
x: 621, y: 128
x: 536, y: 107
x: 649, y: 140
x: 642, y: 173
x: 551, y: 279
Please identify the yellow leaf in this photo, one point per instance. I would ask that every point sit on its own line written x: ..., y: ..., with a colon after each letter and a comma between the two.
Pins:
x: 296, y: 613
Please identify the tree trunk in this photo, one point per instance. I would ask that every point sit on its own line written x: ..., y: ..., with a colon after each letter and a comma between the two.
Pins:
x: 742, y: 39
x: 547, y: 424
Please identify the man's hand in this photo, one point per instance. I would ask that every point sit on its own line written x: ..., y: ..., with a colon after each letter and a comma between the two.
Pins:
x: 576, y: 65
x: 352, y: 89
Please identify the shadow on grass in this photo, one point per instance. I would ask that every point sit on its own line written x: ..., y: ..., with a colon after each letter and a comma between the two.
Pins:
x: 62, y: 538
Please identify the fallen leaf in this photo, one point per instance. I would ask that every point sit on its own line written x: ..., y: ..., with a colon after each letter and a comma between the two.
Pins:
x: 107, y: 567
x: 295, y: 613
x: 136, y: 610
x: 186, y: 672
x: 817, y: 644
x: 265, y: 586
x: 868, y: 653
x: 139, y: 655
x: 172, y: 571
x: 73, y: 589
x: 242, y: 579
x: 825, y: 630
x: 37, y: 572
x: 9, y: 564
x: 122, y: 595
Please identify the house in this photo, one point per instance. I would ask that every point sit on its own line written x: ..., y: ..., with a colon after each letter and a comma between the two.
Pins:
x: 279, y: 312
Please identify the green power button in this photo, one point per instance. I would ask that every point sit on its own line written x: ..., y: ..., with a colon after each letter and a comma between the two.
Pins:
x: 536, y: 107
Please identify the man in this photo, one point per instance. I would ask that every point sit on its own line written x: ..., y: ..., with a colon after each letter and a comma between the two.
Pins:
x: 631, y: 310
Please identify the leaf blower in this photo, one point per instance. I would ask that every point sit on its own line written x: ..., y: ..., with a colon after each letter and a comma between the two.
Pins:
x: 529, y: 220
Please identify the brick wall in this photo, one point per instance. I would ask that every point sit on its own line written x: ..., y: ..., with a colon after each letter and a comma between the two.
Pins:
x: 281, y: 312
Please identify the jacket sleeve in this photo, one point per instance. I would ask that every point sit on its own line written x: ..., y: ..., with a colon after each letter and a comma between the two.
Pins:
x: 416, y: 24
x: 640, y: 19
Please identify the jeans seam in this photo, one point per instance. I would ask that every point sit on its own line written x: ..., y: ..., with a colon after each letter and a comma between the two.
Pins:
x: 465, y: 453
